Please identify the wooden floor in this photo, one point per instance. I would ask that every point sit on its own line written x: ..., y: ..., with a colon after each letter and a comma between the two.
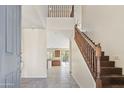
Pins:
x: 58, y: 77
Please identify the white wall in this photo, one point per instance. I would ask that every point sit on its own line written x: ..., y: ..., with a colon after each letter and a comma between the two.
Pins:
x: 106, y: 25
x: 34, y: 53
x: 34, y: 37
x: 58, y: 38
x: 60, y: 23
x: 78, y: 15
x: 80, y: 71
x: 59, y: 32
x: 34, y: 16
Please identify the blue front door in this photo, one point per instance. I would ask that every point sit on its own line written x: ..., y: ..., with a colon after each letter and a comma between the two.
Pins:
x: 10, y: 45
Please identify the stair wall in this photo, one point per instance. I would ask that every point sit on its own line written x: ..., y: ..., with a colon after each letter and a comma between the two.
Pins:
x: 105, y: 25
x: 80, y: 71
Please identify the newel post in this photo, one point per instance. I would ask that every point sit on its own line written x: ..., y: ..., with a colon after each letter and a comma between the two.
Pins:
x: 75, y: 26
x: 98, y: 57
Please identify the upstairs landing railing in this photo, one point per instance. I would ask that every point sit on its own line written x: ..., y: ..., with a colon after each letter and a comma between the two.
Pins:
x: 61, y: 11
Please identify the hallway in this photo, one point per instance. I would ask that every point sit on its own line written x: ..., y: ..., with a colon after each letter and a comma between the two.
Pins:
x: 58, y: 77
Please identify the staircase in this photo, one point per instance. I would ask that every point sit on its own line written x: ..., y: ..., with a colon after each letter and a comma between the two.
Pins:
x: 111, y: 76
x: 102, y: 69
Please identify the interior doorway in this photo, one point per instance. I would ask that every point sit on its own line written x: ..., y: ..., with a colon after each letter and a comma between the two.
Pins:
x: 58, y: 57
x: 58, y: 50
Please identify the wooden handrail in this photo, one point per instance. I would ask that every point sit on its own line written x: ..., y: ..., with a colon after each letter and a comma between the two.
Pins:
x: 91, y: 53
x: 86, y: 37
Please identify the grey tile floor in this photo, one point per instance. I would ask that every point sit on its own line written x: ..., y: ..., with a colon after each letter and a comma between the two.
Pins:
x: 58, y: 77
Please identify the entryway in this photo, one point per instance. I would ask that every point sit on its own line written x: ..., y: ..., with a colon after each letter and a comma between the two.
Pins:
x: 38, y: 40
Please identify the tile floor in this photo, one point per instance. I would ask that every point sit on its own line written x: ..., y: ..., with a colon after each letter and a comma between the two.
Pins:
x: 58, y: 77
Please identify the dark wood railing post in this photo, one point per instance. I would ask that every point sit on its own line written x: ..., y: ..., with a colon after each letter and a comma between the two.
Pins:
x: 72, y: 12
x: 98, y: 57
